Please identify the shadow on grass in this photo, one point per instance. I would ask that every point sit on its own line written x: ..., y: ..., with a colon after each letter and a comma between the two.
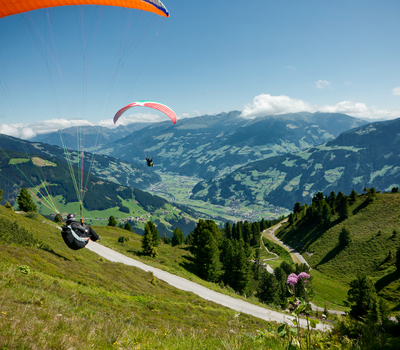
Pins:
x: 362, y: 205
x: 189, y: 264
x: 51, y: 251
x: 386, y: 280
x: 331, y: 255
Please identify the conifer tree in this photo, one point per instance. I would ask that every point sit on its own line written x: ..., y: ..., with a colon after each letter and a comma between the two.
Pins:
x: 342, y: 205
x: 177, y: 237
x: 128, y: 227
x: 166, y: 239
x: 246, y: 232
x: 1, y: 195
x: 282, y: 290
x: 154, y: 231
x: 228, y: 230
x: 353, y: 196
x: 361, y: 295
x: 240, y: 268
x: 257, y: 267
x: 263, y: 226
x: 235, y: 232
x: 255, y: 230
x: 325, y: 214
x: 240, y: 230
x: 25, y: 201
x: 207, y: 257
x: 227, y: 258
x: 268, y: 288
x: 148, y: 246
x: 112, y: 221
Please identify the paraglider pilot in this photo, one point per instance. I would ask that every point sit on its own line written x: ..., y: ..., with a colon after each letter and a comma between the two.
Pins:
x: 149, y: 161
x: 76, y: 235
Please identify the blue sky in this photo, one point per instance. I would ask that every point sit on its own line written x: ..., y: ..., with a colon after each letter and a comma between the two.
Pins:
x: 260, y: 57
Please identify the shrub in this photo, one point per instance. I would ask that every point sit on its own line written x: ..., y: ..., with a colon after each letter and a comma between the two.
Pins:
x: 123, y: 239
x: 9, y: 206
x: 344, y: 237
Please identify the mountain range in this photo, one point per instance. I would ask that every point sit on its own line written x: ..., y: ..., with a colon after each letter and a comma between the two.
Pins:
x: 213, y: 145
x: 108, y: 168
x: 366, y: 156
x: 91, y: 137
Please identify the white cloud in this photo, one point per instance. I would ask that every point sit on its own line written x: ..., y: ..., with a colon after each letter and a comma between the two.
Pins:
x: 396, y: 91
x: 322, y: 84
x: 26, y: 131
x: 266, y: 104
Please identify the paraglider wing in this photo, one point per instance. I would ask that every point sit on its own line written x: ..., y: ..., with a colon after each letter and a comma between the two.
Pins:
x: 152, y: 104
x: 13, y: 7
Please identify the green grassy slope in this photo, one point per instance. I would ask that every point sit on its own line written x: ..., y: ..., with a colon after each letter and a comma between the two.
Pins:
x: 371, y: 226
x: 76, y: 300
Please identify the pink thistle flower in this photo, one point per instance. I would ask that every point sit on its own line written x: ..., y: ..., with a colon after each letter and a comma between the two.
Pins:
x: 292, y: 279
x: 303, y: 276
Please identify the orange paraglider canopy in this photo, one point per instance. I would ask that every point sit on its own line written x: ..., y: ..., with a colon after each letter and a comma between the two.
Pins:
x: 13, y: 7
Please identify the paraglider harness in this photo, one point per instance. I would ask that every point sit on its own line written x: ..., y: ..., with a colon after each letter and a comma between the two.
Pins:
x: 74, y: 240
x: 149, y: 161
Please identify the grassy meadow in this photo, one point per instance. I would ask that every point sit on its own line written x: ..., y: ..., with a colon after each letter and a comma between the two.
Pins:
x: 56, y: 298
x: 372, y: 250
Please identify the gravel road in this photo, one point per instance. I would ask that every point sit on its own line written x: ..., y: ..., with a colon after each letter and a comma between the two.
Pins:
x: 203, y: 292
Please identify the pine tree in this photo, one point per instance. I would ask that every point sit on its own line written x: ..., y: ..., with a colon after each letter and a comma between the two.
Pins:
x: 353, y: 196
x: 148, y: 246
x: 128, y: 227
x: 227, y: 258
x: 255, y: 230
x: 25, y: 201
x: 166, y: 239
x: 207, y: 257
x: 362, y: 296
x: 154, y: 231
x: 112, y: 221
x: 1, y: 195
x: 263, y: 226
x: 228, y: 230
x: 342, y: 205
x: 246, y: 231
x: 268, y: 288
x: 177, y: 237
x: 240, y: 268
x: 235, y: 234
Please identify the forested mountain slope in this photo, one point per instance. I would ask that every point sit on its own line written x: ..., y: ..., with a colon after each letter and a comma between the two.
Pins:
x: 93, y: 136
x: 364, y: 156
x: 209, y: 146
x: 108, y: 168
x: 347, y: 235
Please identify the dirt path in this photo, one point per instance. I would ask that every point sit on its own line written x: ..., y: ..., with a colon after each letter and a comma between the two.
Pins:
x: 296, y: 257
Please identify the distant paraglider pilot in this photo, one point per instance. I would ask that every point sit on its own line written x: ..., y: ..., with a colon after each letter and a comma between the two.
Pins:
x: 149, y: 161
x: 76, y: 235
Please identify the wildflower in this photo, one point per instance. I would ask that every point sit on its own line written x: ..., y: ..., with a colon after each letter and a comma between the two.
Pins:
x: 292, y: 279
x: 303, y: 276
